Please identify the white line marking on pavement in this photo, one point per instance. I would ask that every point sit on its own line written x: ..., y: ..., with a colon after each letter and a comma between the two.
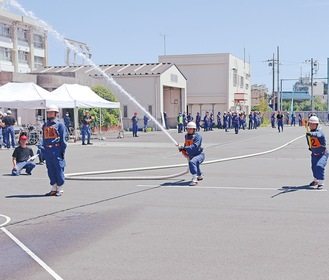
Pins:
x: 233, y: 188
x: 28, y: 251
x: 7, y: 220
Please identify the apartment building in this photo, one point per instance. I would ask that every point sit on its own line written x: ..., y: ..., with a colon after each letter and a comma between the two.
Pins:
x: 23, y: 44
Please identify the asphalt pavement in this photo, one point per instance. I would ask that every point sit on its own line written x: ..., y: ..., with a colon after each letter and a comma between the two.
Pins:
x: 252, y: 217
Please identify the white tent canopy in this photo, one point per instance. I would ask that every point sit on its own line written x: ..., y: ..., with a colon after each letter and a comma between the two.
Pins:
x: 27, y: 96
x: 32, y: 96
x: 78, y: 96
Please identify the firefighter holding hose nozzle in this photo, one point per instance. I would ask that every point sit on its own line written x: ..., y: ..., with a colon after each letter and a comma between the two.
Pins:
x: 316, y: 141
x: 193, y: 151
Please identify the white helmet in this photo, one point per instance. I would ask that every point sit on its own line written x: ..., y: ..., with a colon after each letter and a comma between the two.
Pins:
x: 8, y: 112
x: 52, y: 108
x: 191, y: 125
x: 313, y: 119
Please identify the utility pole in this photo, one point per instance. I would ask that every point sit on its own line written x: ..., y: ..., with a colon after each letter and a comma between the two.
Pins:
x: 314, y: 69
x: 164, y: 43
x: 273, y: 75
x: 328, y: 85
x: 278, y: 79
x: 272, y: 63
x: 312, y: 96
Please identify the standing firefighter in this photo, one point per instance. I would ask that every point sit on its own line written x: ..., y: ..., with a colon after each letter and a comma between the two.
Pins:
x: 279, y: 118
x: 134, y: 121
x: 194, y: 152
x: 317, y: 145
x: 54, y: 149
x: 85, y: 129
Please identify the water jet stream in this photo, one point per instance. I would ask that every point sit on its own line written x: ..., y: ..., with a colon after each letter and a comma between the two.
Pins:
x: 113, y: 84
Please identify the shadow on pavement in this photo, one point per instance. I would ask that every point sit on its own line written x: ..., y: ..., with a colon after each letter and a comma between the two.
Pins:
x: 10, y: 175
x: 177, y: 183
x: 26, y: 196
x: 289, y: 189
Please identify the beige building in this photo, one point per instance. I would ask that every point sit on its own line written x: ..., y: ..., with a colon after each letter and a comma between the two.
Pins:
x: 258, y: 92
x: 215, y: 82
x: 158, y: 87
x: 23, y: 45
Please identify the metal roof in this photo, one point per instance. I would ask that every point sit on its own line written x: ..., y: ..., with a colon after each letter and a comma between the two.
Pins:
x: 296, y: 95
x: 111, y: 69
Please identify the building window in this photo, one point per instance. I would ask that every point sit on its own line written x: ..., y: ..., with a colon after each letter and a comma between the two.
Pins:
x: 235, y: 77
x: 5, y: 54
x: 125, y: 111
x: 4, y: 30
x: 150, y: 109
x: 38, y: 41
x: 38, y: 62
x: 241, y: 81
x: 22, y: 34
x: 22, y: 57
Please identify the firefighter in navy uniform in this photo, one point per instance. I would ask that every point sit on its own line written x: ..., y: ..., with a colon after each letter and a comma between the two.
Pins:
x: 54, y: 149
x: 198, y: 121
x: 85, y: 129
x: 273, y: 119
x: 279, y: 118
x: 134, y: 121
x: 317, y: 145
x: 235, y: 122
x: 194, y: 152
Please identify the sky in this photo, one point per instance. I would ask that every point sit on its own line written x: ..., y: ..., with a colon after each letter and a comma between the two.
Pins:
x: 138, y: 31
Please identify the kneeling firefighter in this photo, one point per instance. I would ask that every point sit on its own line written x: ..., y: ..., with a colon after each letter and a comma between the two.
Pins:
x: 193, y: 151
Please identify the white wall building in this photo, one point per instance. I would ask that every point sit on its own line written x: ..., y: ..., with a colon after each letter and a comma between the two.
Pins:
x: 215, y: 82
x: 304, y: 84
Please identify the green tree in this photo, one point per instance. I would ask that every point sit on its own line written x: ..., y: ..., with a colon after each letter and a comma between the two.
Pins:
x: 319, y: 105
x: 304, y: 105
x: 263, y: 108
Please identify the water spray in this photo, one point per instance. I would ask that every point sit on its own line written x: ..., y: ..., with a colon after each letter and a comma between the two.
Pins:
x: 114, y: 85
